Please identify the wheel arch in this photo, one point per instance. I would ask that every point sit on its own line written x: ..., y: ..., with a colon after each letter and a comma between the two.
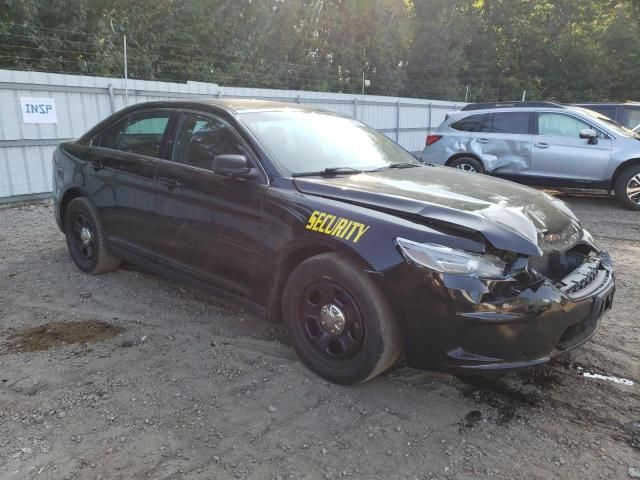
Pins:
x: 288, y: 264
x: 69, y: 195
x: 621, y: 168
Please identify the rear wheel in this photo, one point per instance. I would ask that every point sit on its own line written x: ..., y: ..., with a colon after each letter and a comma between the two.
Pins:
x: 339, y: 322
x: 86, y: 239
x: 627, y: 187
x: 467, y: 164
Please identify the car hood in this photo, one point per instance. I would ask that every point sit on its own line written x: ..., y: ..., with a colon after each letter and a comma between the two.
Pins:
x: 510, y: 216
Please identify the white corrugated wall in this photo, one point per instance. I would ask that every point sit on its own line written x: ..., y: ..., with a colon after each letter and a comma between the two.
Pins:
x: 82, y: 101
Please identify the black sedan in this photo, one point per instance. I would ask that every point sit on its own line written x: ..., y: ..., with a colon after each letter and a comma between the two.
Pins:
x: 314, y: 219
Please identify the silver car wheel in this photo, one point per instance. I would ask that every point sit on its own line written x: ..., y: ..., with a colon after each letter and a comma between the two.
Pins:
x: 633, y: 189
x: 466, y: 167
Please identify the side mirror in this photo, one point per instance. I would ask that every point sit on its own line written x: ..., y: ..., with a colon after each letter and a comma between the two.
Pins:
x: 233, y: 166
x: 590, y: 134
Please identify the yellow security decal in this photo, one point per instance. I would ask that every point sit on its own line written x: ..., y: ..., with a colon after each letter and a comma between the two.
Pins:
x: 328, y: 224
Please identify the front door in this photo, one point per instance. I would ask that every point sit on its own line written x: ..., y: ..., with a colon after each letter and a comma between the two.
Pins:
x: 560, y: 153
x: 209, y: 224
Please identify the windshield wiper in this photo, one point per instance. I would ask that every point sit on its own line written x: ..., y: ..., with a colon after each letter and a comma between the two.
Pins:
x: 398, y: 165
x: 328, y: 172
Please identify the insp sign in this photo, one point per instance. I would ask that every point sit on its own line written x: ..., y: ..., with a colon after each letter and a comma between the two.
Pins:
x: 38, y: 110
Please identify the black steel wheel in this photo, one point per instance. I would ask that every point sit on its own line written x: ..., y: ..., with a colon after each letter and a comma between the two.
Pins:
x: 86, y: 239
x: 83, y: 236
x: 340, y: 323
x: 332, y: 321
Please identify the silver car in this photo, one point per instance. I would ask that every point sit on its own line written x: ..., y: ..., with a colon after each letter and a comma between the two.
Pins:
x: 541, y: 143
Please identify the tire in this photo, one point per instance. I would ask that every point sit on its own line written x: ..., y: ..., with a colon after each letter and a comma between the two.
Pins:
x: 86, y: 239
x: 351, y: 345
x: 629, y: 179
x: 467, y: 164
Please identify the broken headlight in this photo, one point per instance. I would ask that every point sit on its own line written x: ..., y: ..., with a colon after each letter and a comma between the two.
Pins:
x: 449, y: 260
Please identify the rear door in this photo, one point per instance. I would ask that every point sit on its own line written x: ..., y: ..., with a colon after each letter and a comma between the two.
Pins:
x: 124, y: 158
x: 503, y: 142
x: 210, y: 225
x: 560, y: 153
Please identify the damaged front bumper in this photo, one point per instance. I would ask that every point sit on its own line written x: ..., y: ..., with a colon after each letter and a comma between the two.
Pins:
x: 461, y: 324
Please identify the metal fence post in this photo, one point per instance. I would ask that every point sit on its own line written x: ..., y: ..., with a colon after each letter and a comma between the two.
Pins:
x: 355, y: 107
x: 429, y: 122
x: 398, y: 121
x: 111, y: 99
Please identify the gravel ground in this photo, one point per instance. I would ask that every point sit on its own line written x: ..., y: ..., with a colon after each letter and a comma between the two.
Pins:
x: 167, y: 382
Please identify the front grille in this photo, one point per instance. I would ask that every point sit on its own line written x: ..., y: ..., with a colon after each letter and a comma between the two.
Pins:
x: 575, y: 272
x: 580, y: 282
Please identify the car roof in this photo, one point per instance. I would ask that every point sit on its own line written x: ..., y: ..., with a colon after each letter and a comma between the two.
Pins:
x: 613, y: 104
x: 515, y: 104
x: 233, y: 105
x: 230, y: 106
x: 522, y: 109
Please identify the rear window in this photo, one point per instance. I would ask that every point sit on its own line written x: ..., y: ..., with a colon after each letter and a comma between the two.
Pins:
x: 510, y: 122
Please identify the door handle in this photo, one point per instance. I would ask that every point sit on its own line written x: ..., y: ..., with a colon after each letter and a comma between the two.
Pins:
x: 541, y: 145
x: 170, y: 182
x: 482, y: 140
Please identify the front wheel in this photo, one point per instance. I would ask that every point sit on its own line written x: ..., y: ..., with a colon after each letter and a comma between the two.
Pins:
x: 86, y: 239
x: 627, y: 187
x: 339, y: 322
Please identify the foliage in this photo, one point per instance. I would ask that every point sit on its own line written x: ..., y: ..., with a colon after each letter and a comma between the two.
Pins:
x: 569, y: 50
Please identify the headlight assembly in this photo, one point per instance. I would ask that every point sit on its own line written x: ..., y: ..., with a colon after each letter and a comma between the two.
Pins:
x: 448, y: 260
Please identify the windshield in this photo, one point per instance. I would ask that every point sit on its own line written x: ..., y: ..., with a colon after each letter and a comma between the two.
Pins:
x: 607, y: 122
x: 304, y: 142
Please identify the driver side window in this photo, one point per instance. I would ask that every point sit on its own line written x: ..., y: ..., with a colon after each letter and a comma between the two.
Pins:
x: 558, y: 125
x: 201, y: 138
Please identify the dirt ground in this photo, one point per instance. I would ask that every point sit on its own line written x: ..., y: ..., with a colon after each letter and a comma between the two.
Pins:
x: 128, y: 376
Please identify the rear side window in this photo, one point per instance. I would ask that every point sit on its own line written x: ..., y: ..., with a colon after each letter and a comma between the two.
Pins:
x: 510, y: 122
x: 141, y: 134
x: 110, y: 138
x: 472, y: 123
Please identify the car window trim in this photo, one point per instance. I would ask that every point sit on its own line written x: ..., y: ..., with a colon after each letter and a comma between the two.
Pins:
x: 179, y: 122
x: 572, y: 115
x: 127, y: 120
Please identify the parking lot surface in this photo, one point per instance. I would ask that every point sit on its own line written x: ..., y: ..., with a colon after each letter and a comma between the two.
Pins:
x: 126, y: 376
